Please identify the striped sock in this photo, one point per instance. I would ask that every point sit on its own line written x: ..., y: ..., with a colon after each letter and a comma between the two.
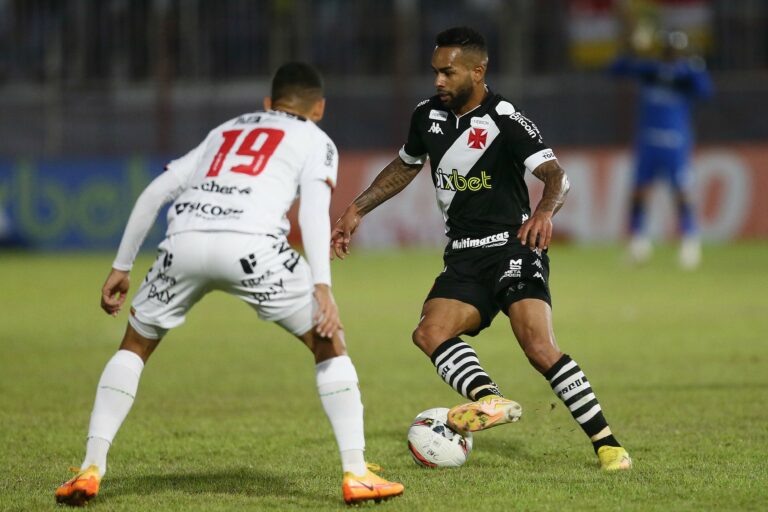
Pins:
x: 572, y: 387
x: 457, y: 364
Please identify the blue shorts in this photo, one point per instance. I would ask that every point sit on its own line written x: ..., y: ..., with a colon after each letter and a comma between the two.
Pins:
x: 670, y: 165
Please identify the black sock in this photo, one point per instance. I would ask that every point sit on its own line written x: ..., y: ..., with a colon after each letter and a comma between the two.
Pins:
x: 572, y: 387
x: 457, y: 364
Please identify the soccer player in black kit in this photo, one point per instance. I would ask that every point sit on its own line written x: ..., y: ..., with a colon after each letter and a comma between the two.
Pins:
x: 479, y: 146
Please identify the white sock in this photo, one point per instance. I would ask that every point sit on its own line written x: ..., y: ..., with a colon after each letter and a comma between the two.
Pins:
x: 96, y: 453
x: 354, y: 461
x: 114, y: 398
x: 340, y: 395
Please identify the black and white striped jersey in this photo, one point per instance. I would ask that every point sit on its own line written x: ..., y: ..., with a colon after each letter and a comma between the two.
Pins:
x: 478, y: 163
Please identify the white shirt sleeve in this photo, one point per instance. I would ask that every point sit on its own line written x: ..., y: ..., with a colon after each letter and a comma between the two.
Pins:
x: 185, y: 167
x: 316, y: 228
x: 163, y: 189
x: 317, y: 181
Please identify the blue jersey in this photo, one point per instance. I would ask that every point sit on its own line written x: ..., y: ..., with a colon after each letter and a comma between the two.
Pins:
x: 668, y: 88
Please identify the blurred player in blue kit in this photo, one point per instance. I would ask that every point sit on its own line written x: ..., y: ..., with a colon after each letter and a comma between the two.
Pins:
x: 664, y: 139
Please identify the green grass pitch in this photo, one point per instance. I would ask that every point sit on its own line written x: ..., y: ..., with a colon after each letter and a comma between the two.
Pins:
x: 227, y: 416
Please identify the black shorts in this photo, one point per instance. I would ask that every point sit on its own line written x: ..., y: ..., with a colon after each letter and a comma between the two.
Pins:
x: 493, y: 278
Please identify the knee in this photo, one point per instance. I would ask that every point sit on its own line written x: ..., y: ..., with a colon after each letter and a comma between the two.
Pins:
x: 138, y: 344
x: 428, y: 337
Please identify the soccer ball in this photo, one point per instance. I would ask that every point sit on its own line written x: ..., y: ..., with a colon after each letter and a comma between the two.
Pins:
x: 434, y: 444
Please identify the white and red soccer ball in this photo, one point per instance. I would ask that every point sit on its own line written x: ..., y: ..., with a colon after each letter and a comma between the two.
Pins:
x: 433, y: 443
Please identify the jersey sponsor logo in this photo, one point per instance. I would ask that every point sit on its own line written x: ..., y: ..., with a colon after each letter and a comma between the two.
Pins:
x: 515, y: 269
x: 477, y: 138
x: 330, y: 152
x: 548, y: 155
x: 496, y: 240
x: 479, y: 122
x: 435, y: 128
x: 527, y: 125
x: 455, y: 182
x: 248, y: 119
x: 438, y: 115
x: 212, y: 186
x: 206, y: 210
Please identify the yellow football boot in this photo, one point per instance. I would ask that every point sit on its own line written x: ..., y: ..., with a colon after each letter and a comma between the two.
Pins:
x: 613, y: 458
x: 81, y: 488
x: 487, y: 412
x: 370, y: 486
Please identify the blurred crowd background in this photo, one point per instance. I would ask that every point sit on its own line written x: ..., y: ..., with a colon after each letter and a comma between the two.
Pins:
x: 96, y: 94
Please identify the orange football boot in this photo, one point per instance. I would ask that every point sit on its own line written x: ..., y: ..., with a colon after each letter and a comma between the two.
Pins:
x: 81, y: 488
x: 370, y: 486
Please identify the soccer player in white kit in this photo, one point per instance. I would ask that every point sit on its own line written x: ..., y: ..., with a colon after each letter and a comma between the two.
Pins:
x: 227, y: 230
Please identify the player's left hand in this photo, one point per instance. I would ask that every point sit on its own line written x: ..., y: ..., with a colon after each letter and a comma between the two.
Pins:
x: 114, y: 291
x: 327, y: 321
x: 536, y: 232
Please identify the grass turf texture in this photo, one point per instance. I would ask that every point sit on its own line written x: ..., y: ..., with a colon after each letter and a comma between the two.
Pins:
x: 227, y: 415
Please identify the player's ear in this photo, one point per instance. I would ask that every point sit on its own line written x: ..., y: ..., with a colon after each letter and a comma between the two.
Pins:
x: 268, y: 103
x: 318, y: 110
x: 478, y: 73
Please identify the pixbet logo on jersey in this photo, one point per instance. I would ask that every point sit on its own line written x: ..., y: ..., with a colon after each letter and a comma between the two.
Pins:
x: 455, y: 182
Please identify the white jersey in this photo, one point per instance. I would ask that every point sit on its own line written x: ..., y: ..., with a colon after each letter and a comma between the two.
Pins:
x: 247, y: 172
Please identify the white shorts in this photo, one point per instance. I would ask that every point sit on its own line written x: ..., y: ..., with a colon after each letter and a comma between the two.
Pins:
x: 263, y: 270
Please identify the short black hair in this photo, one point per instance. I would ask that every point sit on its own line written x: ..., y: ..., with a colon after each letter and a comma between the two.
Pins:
x: 464, y: 37
x: 297, y: 80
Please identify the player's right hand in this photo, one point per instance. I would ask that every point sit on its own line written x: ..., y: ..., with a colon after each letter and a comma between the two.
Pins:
x: 327, y: 321
x: 341, y: 236
x: 114, y: 291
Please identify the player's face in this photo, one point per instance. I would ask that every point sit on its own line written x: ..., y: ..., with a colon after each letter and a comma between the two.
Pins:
x: 453, y: 77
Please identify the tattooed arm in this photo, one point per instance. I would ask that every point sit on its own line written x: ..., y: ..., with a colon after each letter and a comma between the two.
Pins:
x: 391, y: 180
x: 536, y: 232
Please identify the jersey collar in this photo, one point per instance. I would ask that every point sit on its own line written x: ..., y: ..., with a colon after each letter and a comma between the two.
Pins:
x: 483, y: 105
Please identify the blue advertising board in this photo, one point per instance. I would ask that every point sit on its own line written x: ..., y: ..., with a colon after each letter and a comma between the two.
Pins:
x: 73, y: 204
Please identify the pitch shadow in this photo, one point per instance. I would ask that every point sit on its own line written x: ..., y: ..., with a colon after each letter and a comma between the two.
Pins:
x: 235, y: 481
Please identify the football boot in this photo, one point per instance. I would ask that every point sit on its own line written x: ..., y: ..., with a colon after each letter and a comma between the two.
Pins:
x: 487, y: 412
x: 613, y: 458
x: 358, y: 489
x: 81, y: 488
